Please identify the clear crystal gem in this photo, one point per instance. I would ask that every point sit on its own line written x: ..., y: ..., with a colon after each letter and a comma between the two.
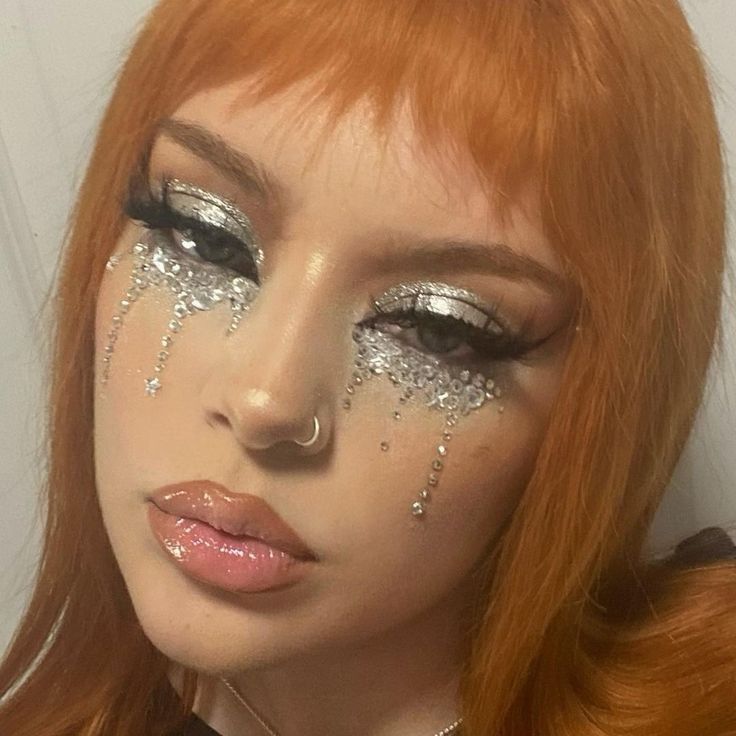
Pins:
x: 202, y: 301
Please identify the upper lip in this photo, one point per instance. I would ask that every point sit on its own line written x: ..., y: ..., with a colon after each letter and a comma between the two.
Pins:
x: 235, y: 513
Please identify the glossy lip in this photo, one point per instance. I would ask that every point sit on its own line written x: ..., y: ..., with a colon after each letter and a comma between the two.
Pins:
x: 239, y: 514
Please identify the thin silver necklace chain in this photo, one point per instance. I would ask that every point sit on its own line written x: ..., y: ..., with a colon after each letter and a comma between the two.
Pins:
x: 444, y: 732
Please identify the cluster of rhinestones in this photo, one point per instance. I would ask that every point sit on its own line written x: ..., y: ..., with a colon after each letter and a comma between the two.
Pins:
x: 450, y: 389
x: 195, y: 287
x: 427, y: 379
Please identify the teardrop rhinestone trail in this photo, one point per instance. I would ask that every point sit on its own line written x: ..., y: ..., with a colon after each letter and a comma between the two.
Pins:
x: 196, y: 286
x: 422, y: 379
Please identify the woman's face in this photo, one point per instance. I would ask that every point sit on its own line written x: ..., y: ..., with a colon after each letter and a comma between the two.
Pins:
x: 355, y: 222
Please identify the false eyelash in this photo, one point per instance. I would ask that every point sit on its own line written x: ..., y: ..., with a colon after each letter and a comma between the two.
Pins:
x: 156, y: 214
x: 506, y: 347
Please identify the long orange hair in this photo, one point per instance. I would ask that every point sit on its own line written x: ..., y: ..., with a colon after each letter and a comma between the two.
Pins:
x: 606, y: 106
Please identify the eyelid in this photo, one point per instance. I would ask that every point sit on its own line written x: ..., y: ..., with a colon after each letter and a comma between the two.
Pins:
x: 444, y: 300
x: 196, y: 203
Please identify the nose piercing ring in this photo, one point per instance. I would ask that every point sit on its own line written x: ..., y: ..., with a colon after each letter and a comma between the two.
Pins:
x: 313, y: 438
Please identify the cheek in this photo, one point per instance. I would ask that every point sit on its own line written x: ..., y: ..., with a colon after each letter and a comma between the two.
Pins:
x: 127, y: 342
x: 145, y: 332
x: 388, y: 453
x: 135, y: 433
x: 382, y: 464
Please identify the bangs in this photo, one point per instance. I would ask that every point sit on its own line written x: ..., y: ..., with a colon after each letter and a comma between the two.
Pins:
x: 472, y: 104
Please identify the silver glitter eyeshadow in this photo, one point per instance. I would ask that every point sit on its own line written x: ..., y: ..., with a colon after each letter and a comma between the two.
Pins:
x: 441, y: 299
x: 208, y: 208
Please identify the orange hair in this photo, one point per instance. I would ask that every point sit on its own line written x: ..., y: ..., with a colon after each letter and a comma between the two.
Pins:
x: 605, y: 105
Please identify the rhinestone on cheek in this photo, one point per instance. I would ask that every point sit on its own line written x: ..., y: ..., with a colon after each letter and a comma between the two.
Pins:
x: 112, y: 261
x: 153, y: 385
x: 196, y: 287
x: 417, y: 508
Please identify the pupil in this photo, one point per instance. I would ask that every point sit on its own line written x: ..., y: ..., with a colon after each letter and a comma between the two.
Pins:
x: 216, y: 249
x: 219, y: 249
x: 439, y: 339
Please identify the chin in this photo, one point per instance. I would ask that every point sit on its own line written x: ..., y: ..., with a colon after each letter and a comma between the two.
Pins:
x: 201, y: 629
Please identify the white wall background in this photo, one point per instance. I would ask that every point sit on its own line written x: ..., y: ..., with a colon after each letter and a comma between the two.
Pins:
x: 57, y: 61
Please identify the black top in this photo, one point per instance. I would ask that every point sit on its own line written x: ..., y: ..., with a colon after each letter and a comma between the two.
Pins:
x: 195, y: 726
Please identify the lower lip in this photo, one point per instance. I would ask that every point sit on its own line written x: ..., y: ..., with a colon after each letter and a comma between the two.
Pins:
x: 237, y: 564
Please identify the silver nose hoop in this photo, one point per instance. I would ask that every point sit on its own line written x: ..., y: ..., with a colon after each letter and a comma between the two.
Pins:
x: 314, y: 436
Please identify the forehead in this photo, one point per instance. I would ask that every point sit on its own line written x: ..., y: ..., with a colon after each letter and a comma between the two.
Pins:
x: 282, y: 130
x: 374, y: 180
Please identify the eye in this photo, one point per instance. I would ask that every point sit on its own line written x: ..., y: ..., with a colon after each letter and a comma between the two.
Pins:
x: 449, y: 338
x: 200, y: 226
x: 450, y: 323
x: 214, y: 246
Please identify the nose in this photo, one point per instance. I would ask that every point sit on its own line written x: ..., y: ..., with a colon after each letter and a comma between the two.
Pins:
x: 282, y: 366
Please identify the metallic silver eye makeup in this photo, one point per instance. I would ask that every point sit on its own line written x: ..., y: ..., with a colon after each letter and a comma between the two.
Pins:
x: 441, y: 300
x: 195, y: 285
x: 198, y: 204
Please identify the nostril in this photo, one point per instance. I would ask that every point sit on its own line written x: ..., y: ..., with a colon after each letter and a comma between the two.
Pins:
x: 216, y: 419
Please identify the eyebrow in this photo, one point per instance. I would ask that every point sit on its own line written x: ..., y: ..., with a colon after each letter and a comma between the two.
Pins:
x: 498, y: 259
x: 238, y: 166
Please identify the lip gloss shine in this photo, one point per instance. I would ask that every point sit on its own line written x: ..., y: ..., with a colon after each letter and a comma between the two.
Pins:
x: 227, y: 561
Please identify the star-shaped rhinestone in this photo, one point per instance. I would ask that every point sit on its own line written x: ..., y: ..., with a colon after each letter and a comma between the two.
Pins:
x: 152, y: 386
